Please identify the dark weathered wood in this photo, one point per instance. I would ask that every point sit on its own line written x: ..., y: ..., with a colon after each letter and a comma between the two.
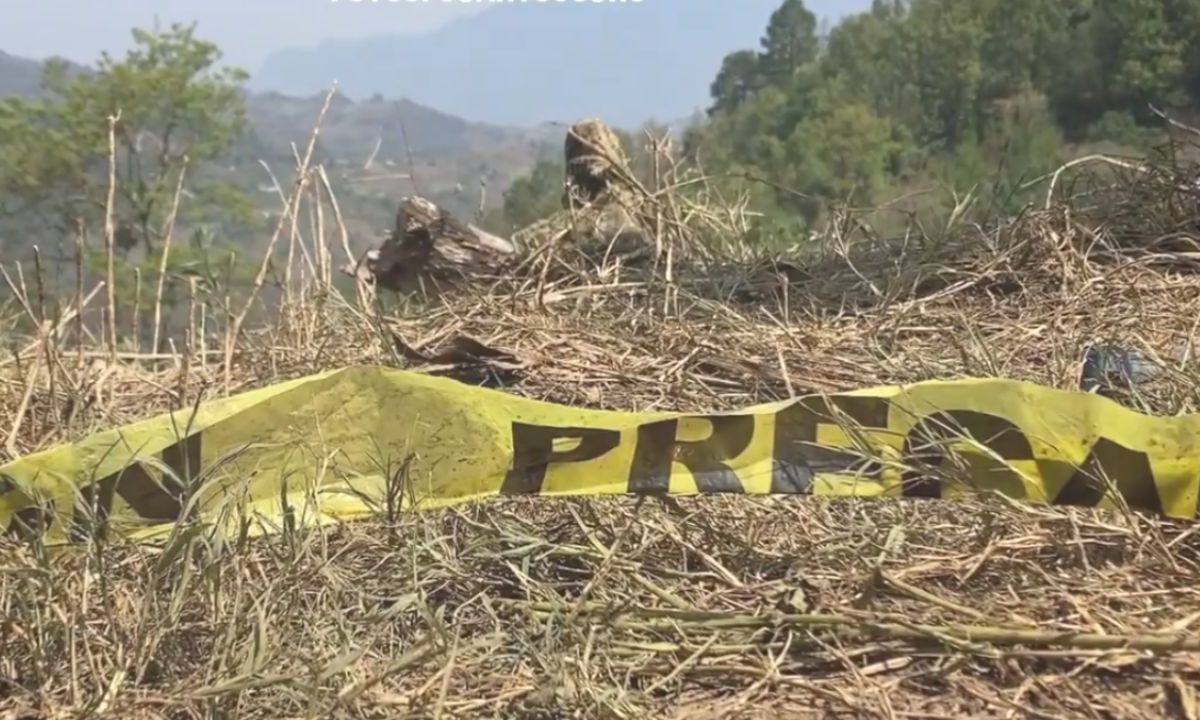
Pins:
x: 465, y: 359
x: 429, y: 248
x: 594, y: 162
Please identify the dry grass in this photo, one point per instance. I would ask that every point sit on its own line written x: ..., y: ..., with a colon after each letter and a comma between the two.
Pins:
x: 710, y: 607
x: 706, y: 608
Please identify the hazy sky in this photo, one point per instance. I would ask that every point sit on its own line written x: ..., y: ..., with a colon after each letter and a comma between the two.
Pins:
x: 246, y: 30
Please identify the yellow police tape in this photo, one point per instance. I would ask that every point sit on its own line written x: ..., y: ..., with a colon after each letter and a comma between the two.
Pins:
x: 362, y: 441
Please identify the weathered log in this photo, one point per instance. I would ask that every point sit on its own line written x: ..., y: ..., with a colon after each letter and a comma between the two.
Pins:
x: 429, y: 248
x: 467, y: 360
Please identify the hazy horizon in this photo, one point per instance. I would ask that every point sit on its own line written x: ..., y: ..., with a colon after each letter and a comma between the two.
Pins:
x: 247, y: 33
x: 299, y: 47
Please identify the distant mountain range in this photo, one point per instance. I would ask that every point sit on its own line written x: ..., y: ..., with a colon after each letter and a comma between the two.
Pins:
x: 529, y: 63
x: 19, y: 76
x: 376, y: 149
x: 352, y: 128
x: 387, y: 148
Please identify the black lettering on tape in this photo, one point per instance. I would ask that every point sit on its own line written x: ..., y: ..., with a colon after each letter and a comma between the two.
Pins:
x: 533, y: 453
x: 658, y: 446
x: 924, y: 446
x: 650, y: 472
x: 798, y: 457
x: 184, y: 460
x: 1109, y: 462
x: 28, y: 522
x: 94, y: 505
x: 149, y: 498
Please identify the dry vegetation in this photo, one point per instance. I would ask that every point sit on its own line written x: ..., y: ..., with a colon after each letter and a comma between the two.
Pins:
x: 709, y: 607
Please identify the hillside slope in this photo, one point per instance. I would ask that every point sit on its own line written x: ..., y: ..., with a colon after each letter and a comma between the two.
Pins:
x: 18, y: 76
x: 411, y: 148
x: 419, y: 149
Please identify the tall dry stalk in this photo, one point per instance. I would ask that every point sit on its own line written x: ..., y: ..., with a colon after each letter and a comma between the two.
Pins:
x: 40, y: 282
x: 296, y: 239
x: 168, y: 235
x: 28, y: 388
x: 319, y: 245
x: 189, y: 345
x: 360, y: 290
x: 203, y: 335
x: 80, y: 248
x: 52, y: 336
x: 293, y: 234
x: 343, y: 233
x: 20, y: 294
x: 110, y: 235
x: 234, y: 331
x: 191, y: 326
x: 136, y: 321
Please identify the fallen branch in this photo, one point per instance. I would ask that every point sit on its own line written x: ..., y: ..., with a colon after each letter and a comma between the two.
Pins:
x: 987, y: 634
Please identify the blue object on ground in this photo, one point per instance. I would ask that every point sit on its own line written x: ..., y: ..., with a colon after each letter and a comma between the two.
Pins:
x: 1109, y: 367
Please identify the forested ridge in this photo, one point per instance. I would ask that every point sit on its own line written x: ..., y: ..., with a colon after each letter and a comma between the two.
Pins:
x: 919, y: 94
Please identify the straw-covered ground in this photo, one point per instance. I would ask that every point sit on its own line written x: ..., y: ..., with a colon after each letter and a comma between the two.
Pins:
x: 630, y: 608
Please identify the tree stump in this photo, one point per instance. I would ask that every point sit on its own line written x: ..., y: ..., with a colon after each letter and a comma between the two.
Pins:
x: 430, y: 246
x: 430, y: 249
x: 595, y: 162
